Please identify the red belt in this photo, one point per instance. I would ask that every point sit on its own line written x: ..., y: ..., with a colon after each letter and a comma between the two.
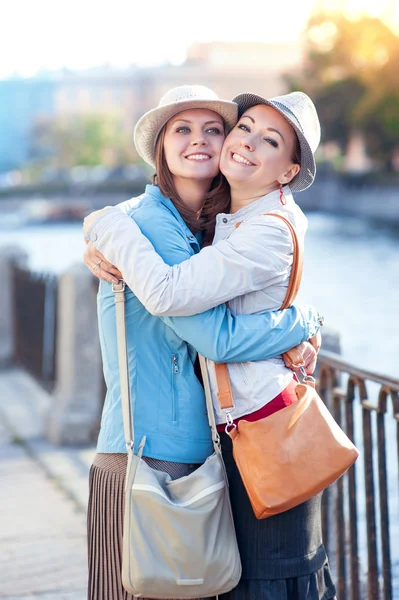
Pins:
x: 286, y: 397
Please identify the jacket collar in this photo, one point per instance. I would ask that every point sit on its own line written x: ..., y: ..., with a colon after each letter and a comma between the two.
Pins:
x: 155, y: 192
x: 264, y: 204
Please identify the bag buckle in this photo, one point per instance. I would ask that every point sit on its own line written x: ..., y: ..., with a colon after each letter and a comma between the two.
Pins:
x: 118, y: 287
x: 230, y: 423
x: 307, y: 378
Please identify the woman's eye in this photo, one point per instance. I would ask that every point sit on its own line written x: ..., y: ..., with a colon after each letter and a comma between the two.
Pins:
x: 183, y: 129
x: 271, y: 142
x: 214, y: 130
x: 243, y: 127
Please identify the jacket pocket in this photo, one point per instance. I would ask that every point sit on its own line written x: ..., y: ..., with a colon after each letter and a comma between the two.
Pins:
x: 175, y: 390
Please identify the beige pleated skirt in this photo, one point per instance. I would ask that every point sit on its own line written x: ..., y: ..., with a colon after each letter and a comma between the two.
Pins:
x: 105, y: 522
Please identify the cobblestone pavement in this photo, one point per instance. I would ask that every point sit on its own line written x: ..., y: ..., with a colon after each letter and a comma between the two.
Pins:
x: 42, y: 523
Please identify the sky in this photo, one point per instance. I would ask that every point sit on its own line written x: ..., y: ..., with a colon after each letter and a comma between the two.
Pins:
x: 79, y: 34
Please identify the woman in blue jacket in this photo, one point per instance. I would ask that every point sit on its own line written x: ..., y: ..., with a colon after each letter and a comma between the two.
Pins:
x: 185, y: 134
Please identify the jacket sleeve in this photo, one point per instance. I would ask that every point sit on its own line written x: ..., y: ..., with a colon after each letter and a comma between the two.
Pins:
x: 222, y: 337
x: 217, y: 333
x: 249, y: 260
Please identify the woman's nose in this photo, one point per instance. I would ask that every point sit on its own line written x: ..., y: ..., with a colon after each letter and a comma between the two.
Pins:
x: 199, y: 140
x: 248, y: 143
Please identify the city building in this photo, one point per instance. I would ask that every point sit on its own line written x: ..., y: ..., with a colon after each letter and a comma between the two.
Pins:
x: 228, y: 68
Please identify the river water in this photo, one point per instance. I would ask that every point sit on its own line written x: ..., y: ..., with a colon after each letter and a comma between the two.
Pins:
x: 351, y: 275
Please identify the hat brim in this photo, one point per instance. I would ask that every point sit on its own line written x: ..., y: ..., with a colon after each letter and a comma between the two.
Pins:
x: 307, y: 174
x: 149, y: 126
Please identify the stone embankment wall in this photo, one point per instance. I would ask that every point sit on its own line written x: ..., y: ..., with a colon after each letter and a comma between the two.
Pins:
x: 357, y: 196
x: 336, y: 195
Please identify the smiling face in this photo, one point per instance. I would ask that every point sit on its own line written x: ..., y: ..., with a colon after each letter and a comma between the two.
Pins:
x: 258, y: 153
x: 192, y: 144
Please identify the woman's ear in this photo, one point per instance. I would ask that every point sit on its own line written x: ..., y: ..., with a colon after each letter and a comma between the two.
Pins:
x: 290, y: 174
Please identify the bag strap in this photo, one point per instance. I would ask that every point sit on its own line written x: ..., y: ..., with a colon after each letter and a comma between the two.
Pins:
x: 127, y: 409
x: 209, y: 405
x: 297, y: 264
x: 225, y: 397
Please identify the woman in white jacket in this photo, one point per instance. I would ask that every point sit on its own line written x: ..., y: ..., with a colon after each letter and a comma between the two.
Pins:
x: 267, y: 155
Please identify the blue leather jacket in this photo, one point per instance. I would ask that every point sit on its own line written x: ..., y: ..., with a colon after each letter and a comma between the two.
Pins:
x: 168, y: 400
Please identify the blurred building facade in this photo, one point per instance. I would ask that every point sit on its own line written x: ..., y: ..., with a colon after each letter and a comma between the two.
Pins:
x: 22, y: 101
x: 227, y: 68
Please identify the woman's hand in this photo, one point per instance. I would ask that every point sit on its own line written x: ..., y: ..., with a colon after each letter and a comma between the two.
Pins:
x: 304, y: 355
x: 99, y: 266
x: 316, y: 341
x: 89, y: 221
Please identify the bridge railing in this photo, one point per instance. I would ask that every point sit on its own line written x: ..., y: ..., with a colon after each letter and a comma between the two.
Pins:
x: 360, y: 511
x: 35, y: 323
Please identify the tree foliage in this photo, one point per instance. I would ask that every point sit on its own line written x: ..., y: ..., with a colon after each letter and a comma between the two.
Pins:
x: 82, y: 139
x: 351, y: 71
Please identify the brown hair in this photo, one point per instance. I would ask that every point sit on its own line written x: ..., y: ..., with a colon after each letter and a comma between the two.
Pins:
x: 296, y: 155
x: 215, y: 201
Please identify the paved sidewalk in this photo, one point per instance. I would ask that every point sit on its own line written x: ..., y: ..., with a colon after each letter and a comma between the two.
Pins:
x: 42, y: 502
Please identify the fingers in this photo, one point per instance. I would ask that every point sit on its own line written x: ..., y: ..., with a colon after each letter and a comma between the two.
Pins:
x: 294, y: 357
x: 93, y: 254
x: 287, y: 362
x: 310, y: 364
x: 105, y: 266
x: 99, y: 266
x: 302, y: 356
x: 311, y: 367
x: 316, y: 341
x: 309, y: 358
x: 100, y: 271
x: 105, y: 275
x: 109, y: 268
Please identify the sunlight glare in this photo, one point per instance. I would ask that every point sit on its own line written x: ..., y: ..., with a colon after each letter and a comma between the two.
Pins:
x: 78, y: 35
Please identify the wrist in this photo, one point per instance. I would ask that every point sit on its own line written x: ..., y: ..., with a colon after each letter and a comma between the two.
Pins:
x: 312, y: 321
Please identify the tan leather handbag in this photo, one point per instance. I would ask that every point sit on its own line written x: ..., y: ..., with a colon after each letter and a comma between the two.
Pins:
x: 291, y: 455
x: 179, y: 539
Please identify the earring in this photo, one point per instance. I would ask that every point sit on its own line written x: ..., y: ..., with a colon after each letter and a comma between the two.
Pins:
x: 283, y: 199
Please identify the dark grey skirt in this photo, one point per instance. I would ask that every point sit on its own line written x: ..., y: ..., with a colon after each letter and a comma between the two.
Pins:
x: 283, y: 557
x: 105, y: 522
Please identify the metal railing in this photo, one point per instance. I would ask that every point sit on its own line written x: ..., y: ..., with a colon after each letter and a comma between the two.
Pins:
x: 35, y: 323
x: 360, y: 511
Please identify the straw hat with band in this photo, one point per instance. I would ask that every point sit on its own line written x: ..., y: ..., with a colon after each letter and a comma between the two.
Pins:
x: 173, y: 102
x: 298, y: 109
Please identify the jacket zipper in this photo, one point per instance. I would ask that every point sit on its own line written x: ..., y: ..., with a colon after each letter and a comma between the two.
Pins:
x: 175, y: 371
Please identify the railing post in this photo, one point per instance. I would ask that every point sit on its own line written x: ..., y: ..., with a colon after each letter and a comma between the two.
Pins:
x: 9, y: 256
x: 74, y: 415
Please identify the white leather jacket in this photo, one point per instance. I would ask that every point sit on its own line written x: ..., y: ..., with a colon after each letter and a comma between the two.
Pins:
x: 248, y: 266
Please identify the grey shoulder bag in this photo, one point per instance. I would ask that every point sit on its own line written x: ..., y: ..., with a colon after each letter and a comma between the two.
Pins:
x: 179, y: 539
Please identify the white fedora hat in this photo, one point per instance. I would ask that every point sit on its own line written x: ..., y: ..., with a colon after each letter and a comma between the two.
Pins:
x: 298, y: 109
x: 174, y: 101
